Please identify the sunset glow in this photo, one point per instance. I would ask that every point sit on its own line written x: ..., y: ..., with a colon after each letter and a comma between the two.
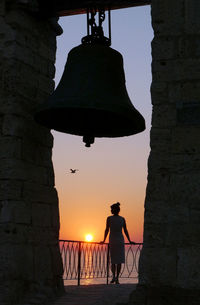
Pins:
x: 88, y: 237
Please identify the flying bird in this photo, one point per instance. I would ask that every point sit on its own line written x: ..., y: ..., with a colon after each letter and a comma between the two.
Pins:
x: 73, y: 171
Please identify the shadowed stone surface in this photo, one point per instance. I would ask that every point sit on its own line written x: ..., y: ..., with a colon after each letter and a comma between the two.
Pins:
x: 96, y: 295
x: 169, y: 270
x: 30, y: 262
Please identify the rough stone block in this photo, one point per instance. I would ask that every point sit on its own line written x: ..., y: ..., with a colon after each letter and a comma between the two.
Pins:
x: 188, y: 113
x: 43, y: 263
x: 168, y: 17
x: 16, y: 126
x: 14, y: 85
x: 158, y: 187
x: 39, y: 193
x: 178, y: 213
x: 175, y: 92
x: 15, y: 212
x: 187, y: 91
x: 185, y: 163
x: 159, y: 162
x: 22, y: 127
x: 37, y: 154
x: 55, y: 216
x: 182, y: 235
x: 188, y: 267
x: 160, y: 140
x: 176, y: 70
x: 18, y: 106
x: 50, y: 176
x: 13, y: 50
x: 39, y: 235
x: 168, y: 70
x: 10, y: 147
x: 7, y: 233
x: 10, y: 189
x: 184, y: 188
x: 14, y: 233
x: 186, y: 140
x: 16, y: 262
x: 164, y: 47
x: 166, y: 212
x: 157, y: 266
x: 154, y: 233
x: 41, y: 215
x: 188, y: 46
x: 164, y: 116
x: 21, y: 20
x: 159, y: 93
x: 191, y: 69
x: 51, y: 70
x: 45, y: 52
x: 192, y: 23
x: 27, y: 41
x: 37, y: 81
x: 20, y: 170
x: 57, y: 264
x: 195, y: 214
x: 2, y: 8
x: 7, y: 212
x: 45, y: 84
x: 6, y: 32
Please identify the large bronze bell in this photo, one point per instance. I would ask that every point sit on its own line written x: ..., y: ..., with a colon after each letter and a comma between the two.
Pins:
x: 91, y: 99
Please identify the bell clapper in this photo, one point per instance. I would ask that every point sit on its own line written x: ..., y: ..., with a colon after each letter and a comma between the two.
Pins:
x: 88, y: 140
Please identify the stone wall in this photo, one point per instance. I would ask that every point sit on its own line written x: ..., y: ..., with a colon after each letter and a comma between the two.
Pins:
x: 30, y: 262
x: 169, y: 264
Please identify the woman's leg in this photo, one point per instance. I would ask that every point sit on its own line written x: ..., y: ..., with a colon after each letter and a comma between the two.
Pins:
x: 113, y: 269
x: 118, y: 272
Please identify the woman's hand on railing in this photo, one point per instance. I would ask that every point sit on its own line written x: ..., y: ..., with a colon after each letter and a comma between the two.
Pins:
x: 102, y: 242
x: 132, y: 242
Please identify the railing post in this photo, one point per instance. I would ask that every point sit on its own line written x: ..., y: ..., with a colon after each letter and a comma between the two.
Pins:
x: 108, y: 251
x: 79, y: 263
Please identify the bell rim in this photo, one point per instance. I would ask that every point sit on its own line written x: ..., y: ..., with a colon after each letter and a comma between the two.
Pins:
x: 113, y: 124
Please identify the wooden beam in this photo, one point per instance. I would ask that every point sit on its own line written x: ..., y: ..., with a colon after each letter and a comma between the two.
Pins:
x: 75, y: 7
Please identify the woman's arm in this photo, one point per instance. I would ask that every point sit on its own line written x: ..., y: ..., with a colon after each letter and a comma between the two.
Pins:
x: 106, y: 231
x: 126, y: 232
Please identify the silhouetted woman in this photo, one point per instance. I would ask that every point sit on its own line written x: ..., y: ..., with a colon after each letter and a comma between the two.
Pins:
x: 114, y: 224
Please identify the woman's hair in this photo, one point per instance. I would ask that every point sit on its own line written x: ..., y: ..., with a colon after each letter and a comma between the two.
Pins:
x: 115, y: 207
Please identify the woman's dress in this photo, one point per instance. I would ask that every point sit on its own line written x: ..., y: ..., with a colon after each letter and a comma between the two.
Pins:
x: 116, y: 239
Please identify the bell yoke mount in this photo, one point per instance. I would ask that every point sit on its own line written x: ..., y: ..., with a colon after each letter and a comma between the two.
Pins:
x: 95, y: 32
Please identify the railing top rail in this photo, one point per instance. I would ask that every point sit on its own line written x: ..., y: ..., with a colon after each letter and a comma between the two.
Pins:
x: 91, y: 242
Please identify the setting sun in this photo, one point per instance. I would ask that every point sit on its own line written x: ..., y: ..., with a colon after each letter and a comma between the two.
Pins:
x: 88, y: 237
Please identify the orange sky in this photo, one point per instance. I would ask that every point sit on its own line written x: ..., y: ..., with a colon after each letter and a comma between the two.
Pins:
x: 111, y: 169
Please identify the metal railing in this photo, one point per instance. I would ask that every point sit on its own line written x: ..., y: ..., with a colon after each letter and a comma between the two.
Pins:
x: 91, y: 260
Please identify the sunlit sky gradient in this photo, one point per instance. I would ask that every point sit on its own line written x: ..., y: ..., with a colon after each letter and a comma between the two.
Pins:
x: 111, y: 169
